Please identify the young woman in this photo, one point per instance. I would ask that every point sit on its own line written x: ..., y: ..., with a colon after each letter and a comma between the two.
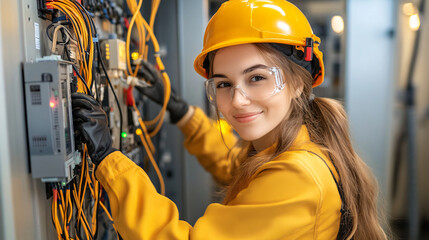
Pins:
x: 292, y: 175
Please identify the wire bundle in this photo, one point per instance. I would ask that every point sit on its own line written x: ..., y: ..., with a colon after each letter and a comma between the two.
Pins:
x: 83, y: 29
x: 65, y: 211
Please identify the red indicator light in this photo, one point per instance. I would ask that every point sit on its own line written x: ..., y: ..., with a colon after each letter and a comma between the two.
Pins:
x: 51, y: 104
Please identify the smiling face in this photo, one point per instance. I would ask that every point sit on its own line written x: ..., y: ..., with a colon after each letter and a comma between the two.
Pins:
x: 254, y: 119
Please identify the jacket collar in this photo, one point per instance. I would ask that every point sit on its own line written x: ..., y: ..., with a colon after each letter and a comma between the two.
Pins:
x: 301, y: 139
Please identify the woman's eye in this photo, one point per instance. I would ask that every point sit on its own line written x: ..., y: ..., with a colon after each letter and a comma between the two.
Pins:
x: 257, y: 78
x: 223, y: 85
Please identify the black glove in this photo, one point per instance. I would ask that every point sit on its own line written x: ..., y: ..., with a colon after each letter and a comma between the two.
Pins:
x: 176, y: 106
x: 90, y: 121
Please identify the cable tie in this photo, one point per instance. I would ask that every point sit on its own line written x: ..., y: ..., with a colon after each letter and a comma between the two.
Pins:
x: 95, y: 39
x: 61, y: 18
x: 156, y: 54
x: 132, y: 80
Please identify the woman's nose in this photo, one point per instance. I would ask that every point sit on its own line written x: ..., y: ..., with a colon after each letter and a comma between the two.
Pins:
x: 239, y: 97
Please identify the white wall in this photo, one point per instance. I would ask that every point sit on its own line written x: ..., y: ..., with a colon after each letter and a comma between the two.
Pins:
x: 421, y: 82
x: 370, y: 81
x: 193, y: 18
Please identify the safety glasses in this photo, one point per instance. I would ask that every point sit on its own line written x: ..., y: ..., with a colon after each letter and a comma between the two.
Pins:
x: 258, y: 83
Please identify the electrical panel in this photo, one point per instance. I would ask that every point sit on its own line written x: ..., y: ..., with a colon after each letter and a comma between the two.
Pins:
x: 82, y: 46
x: 49, y: 120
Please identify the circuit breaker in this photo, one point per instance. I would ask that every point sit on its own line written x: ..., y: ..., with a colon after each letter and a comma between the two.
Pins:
x: 49, y: 120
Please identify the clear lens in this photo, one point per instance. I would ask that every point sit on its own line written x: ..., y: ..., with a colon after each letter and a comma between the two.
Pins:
x: 258, y: 83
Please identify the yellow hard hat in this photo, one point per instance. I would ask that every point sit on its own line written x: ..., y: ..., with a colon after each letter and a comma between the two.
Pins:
x: 261, y: 21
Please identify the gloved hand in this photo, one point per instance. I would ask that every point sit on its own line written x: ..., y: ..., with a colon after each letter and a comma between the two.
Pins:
x: 90, y: 121
x: 176, y: 106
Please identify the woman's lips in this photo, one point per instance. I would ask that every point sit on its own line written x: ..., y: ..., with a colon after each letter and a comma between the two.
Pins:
x: 247, y: 117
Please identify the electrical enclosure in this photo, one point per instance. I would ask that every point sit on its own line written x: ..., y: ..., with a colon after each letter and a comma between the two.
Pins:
x: 49, y: 120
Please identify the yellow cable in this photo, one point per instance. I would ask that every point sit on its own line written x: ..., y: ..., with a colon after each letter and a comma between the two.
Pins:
x: 63, y: 213
x: 56, y: 221
x: 88, y: 180
x: 144, y: 129
x: 166, y: 81
x: 155, y: 166
x: 130, y: 28
x: 150, y: 149
x: 79, y: 216
x: 80, y: 203
x: 70, y: 204
x: 62, y: 200
x: 160, y: 65
x: 155, y: 5
x: 149, y: 153
x: 53, y: 214
x: 107, y: 212
x: 82, y: 168
x: 94, y: 209
x: 108, y: 216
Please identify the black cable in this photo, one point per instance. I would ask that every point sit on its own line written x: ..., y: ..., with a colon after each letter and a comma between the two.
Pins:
x: 114, y: 94
x: 52, y: 217
x: 47, y: 31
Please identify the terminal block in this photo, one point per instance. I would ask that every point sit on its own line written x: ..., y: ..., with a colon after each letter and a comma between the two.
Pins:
x: 43, y: 10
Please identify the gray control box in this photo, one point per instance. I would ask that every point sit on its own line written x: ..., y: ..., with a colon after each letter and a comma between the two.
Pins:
x: 49, y: 120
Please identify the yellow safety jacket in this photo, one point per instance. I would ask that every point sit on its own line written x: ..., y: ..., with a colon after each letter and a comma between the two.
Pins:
x: 293, y: 196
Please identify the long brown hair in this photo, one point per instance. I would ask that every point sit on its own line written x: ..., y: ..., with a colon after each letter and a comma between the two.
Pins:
x: 327, y: 124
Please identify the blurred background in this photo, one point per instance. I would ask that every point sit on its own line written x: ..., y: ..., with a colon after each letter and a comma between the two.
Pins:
x: 376, y: 60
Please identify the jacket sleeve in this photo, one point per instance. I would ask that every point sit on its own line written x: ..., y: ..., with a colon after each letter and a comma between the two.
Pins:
x: 204, y: 140
x: 281, y: 202
x: 139, y: 212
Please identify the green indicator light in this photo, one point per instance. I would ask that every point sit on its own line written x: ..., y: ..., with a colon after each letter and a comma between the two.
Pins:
x: 124, y: 134
x: 63, y: 184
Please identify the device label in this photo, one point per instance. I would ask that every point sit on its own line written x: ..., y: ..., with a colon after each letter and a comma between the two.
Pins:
x: 37, y: 35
